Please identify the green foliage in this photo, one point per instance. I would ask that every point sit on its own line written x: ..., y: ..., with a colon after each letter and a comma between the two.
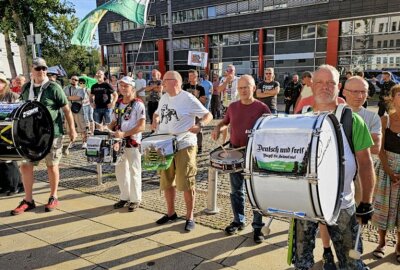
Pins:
x: 56, y: 22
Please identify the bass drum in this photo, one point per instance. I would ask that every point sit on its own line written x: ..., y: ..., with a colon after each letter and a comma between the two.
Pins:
x: 26, y: 131
x: 296, y: 166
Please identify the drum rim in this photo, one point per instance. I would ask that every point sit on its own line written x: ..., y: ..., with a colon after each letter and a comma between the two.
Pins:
x: 171, y: 136
x: 20, y: 151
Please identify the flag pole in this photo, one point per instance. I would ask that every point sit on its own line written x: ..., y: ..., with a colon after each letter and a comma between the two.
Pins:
x: 170, y: 49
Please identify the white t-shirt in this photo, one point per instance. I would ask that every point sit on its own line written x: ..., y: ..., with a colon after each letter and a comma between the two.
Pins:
x: 231, y: 92
x: 372, y: 120
x: 177, y: 114
x: 139, y: 84
x: 306, y: 92
x: 350, y: 169
x: 129, y: 120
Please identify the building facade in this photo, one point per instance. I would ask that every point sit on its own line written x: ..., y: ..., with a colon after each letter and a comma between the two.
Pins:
x: 290, y: 35
x: 4, y: 65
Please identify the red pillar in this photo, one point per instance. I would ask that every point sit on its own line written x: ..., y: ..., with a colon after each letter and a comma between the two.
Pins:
x: 207, y: 50
x: 123, y: 58
x: 332, y: 46
x: 161, y: 56
x: 102, y: 55
x: 261, y: 53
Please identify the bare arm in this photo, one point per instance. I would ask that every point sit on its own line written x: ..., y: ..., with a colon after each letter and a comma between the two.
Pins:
x: 205, y: 120
x: 70, y: 121
x: 156, y: 119
x: 367, y: 174
x: 269, y: 93
x: 375, y: 149
x: 218, y: 129
x: 140, y: 126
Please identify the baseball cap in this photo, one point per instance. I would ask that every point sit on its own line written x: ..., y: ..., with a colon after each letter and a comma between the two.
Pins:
x: 39, y: 62
x: 128, y: 80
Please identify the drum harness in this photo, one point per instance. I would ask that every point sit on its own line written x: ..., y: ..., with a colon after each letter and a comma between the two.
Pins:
x: 126, y: 114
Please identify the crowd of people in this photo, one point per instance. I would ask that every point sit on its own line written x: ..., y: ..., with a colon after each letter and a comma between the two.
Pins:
x: 122, y: 105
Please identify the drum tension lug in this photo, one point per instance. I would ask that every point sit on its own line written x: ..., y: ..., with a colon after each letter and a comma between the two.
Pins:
x: 313, y: 180
x: 317, y: 131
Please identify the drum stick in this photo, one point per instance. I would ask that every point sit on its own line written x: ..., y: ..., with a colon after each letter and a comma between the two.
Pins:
x: 223, y: 148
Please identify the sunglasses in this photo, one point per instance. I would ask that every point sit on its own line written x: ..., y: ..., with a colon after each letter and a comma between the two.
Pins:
x: 40, y: 68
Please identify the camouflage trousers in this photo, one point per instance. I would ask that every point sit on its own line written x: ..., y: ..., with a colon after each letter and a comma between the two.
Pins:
x: 343, y: 236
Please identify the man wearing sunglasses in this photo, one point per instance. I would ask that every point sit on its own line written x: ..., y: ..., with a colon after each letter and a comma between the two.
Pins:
x: 76, y: 94
x: 52, y: 96
x: 267, y: 91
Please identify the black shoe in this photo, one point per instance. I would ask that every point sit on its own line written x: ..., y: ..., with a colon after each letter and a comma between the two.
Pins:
x: 189, y: 226
x: 166, y: 218
x: 133, y: 206
x: 199, y: 151
x: 120, y: 204
x: 234, y: 227
x: 328, y: 262
x: 258, y: 236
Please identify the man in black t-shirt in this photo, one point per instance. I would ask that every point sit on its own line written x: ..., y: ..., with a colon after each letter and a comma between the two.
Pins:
x: 198, y: 91
x: 268, y: 90
x: 102, y: 98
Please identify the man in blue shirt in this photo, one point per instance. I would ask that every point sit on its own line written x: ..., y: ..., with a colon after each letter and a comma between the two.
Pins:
x: 208, y: 88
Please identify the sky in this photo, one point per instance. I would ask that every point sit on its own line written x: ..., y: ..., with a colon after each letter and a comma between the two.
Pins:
x: 82, y: 8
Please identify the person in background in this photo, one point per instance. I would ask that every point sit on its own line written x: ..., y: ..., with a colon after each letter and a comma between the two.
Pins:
x: 292, y: 93
x: 208, y: 88
x: 384, y: 94
x: 140, y: 86
x: 268, y: 91
x: 216, y: 98
x: 19, y: 82
x: 114, y: 83
x: 87, y: 109
x: 387, y: 191
x: 306, y: 80
x: 154, y: 87
x: 371, y: 88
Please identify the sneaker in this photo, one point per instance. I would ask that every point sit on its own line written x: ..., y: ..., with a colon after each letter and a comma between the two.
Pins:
x: 52, y: 204
x: 234, y: 227
x: 328, y: 262
x: 23, y: 207
x: 189, y: 226
x: 258, y: 236
x: 84, y: 145
x: 120, y: 204
x: 133, y: 206
x: 164, y: 219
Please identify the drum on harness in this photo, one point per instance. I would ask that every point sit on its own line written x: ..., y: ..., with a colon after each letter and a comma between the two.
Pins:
x: 158, y: 151
x: 295, y: 166
x: 104, y: 148
x: 26, y: 131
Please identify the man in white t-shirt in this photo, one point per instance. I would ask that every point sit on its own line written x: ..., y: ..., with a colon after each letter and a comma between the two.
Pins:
x: 176, y: 114
x: 140, y: 86
x: 228, y: 86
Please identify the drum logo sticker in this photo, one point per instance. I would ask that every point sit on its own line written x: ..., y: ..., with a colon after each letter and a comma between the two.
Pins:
x: 30, y: 112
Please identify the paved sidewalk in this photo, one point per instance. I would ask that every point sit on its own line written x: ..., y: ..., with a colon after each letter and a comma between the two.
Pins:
x: 85, y: 232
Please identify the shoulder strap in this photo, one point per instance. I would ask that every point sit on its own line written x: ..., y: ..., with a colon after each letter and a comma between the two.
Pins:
x: 344, y: 114
x: 388, y: 121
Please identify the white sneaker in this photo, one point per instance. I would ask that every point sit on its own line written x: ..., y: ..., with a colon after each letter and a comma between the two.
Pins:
x: 84, y: 145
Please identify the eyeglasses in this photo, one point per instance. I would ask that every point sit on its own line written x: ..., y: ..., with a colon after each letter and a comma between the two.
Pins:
x: 330, y: 83
x: 169, y: 79
x: 357, y: 92
x: 40, y: 68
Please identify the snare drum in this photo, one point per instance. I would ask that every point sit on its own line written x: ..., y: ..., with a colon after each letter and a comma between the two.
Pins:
x: 228, y: 160
x: 295, y: 165
x: 105, y: 150
x: 26, y: 131
x: 158, y: 151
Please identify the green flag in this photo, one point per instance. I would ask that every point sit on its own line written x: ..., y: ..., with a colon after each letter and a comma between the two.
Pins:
x: 133, y: 10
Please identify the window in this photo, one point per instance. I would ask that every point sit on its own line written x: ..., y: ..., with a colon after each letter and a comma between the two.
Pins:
x: 164, y: 19
x: 196, y: 42
x: 398, y: 43
x: 395, y: 20
x: 362, y: 26
x: 391, y: 60
x: 394, y: 26
x: 378, y: 60
x: 270, y: 35
x: 151, y: 20
x: 220, y: 10
x: 114, y: 27
x: 309, y: 31
x: 211, y: 12
x: 391, y: 43
x: 346, y: 28
x: 199, y: 13
x: 231, y: 8
x: 379, y: 44
x: 268, y: 5
x: 281, y: 34
x: 294, y: 32
x: 397, y: 60
x: 385, y: 43
x: 233, y: 39
x: 243, y: 6
x: 381, y: 25
x: 254, y: 5
x: 384, y: 60
x: 322, y: 30
x: 244, y: 38
x: 128, y: 25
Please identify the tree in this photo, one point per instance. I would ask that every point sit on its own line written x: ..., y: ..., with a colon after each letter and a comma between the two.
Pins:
x: 55, y: 21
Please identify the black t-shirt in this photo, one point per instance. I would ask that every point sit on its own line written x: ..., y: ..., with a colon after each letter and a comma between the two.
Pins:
x: 269, y: 86
x: 293, y: 90
x: 102, y: 94
x: 154, y: 95
x: 191, y: 89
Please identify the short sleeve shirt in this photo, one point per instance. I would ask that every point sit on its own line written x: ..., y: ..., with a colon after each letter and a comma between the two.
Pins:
x: 372, y: 120
x: 154, y: 95
x: 269, y: 86
x: 75, y: 91
x: 102, y: 94
x: 191, y: 89
x: 53, y: 97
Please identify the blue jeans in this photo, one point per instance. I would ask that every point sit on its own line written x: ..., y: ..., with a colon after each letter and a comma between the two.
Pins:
x: 88, y: 113
x: 238, y: 200
x: 101, y: 113
x: 208, y: 102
